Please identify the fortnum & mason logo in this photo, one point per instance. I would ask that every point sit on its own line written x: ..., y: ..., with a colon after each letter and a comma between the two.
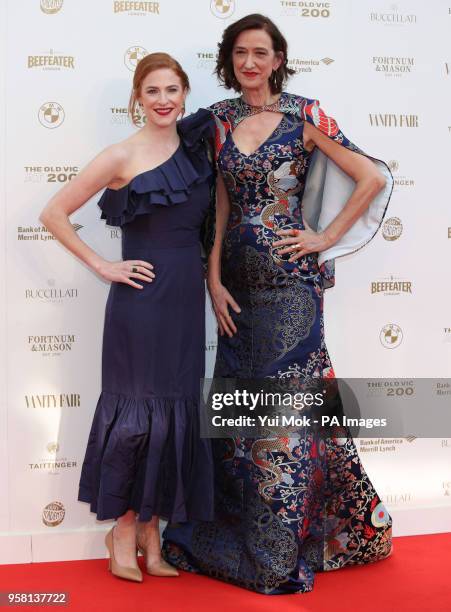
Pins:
x: 393, y: 66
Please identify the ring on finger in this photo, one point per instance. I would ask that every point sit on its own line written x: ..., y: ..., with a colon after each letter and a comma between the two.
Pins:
x: 134, y: 269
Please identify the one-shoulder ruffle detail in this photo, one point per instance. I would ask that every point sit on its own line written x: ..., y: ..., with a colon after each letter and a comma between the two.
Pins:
x: 171, y: 182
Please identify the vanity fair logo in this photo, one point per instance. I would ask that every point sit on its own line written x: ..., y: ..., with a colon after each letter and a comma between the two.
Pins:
x: 53, y: 60
x: 393, y: 17
x: 51, y: 293
x: 393, y: 66
x: 53, y: 514
x: 392, y: 229
x: 51, y: 115
x: 50, y: 174
x: 50, y: 7
x: 391, y: 286
x: 133, y: 55
x: 222, y: 8
x: 400, y: 180
x: 39, y: 232
x: 52, y: 466
x: 211, y: 345
x: 305, y: 9
x: 391, y: 336
x: 447, y: 334
x: 138, y: 9
x: 299, y: 64
x: 52, y: 400
x: 51, y: 345
x: 380, y: 445
x: 393, y: 120
x: 119, y: 116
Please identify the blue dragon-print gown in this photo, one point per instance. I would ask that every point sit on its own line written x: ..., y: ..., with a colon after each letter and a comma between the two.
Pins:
x: 286, y: 506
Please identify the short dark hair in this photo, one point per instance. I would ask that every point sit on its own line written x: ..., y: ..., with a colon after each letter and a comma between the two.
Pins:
x: 224, y: 64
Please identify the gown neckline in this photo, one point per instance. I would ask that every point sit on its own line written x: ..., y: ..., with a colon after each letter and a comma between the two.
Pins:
x: 262, y: 144
x: 144, y: 172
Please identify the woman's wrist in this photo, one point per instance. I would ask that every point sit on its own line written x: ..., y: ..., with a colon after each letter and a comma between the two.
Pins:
x: 328, y: 239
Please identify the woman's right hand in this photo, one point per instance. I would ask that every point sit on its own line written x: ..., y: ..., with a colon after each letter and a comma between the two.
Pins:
x: 124, y: 271
x: 221, y: 300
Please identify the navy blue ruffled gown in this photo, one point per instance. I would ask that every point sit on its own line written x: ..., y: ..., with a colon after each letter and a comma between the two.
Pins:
x: 144, y: 450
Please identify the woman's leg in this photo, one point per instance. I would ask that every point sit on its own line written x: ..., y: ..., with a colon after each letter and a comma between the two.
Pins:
x: 148, y: 539
x: 124, y: 538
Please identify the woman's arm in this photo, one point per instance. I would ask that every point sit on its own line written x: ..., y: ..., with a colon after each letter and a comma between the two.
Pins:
x: 220, y: 297
x: 369, y: 182
x: 100, y: 172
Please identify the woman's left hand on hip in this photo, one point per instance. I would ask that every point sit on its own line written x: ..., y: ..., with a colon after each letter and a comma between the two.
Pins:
x: 300, y: 242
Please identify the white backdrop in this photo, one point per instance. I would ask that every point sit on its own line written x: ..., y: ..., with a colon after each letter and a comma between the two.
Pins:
x: 381, y: 69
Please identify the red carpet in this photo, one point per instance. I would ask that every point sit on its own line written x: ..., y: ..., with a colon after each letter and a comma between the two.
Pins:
x: 415, y: 577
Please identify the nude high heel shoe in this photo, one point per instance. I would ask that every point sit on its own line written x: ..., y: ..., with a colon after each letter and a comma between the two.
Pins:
x: 128, y: 573
x: 158, y: 568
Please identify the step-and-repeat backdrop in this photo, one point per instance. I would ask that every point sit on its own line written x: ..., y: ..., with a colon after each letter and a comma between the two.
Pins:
x: 381, y: 68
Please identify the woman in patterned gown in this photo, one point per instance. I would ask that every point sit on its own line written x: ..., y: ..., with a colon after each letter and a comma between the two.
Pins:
x: 300, y: 194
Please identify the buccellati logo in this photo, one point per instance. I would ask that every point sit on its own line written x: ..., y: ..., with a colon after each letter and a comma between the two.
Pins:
x: 53, y: 514
x: 392, y: 229
x: 391, y: 336
x: 133, y: 56
x: 51, y: 115
x: 50, y: 7
x: 222, y: 8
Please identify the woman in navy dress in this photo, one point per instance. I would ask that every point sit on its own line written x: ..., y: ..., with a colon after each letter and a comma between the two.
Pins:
x: 144, y: 456
x: 300, y: 194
